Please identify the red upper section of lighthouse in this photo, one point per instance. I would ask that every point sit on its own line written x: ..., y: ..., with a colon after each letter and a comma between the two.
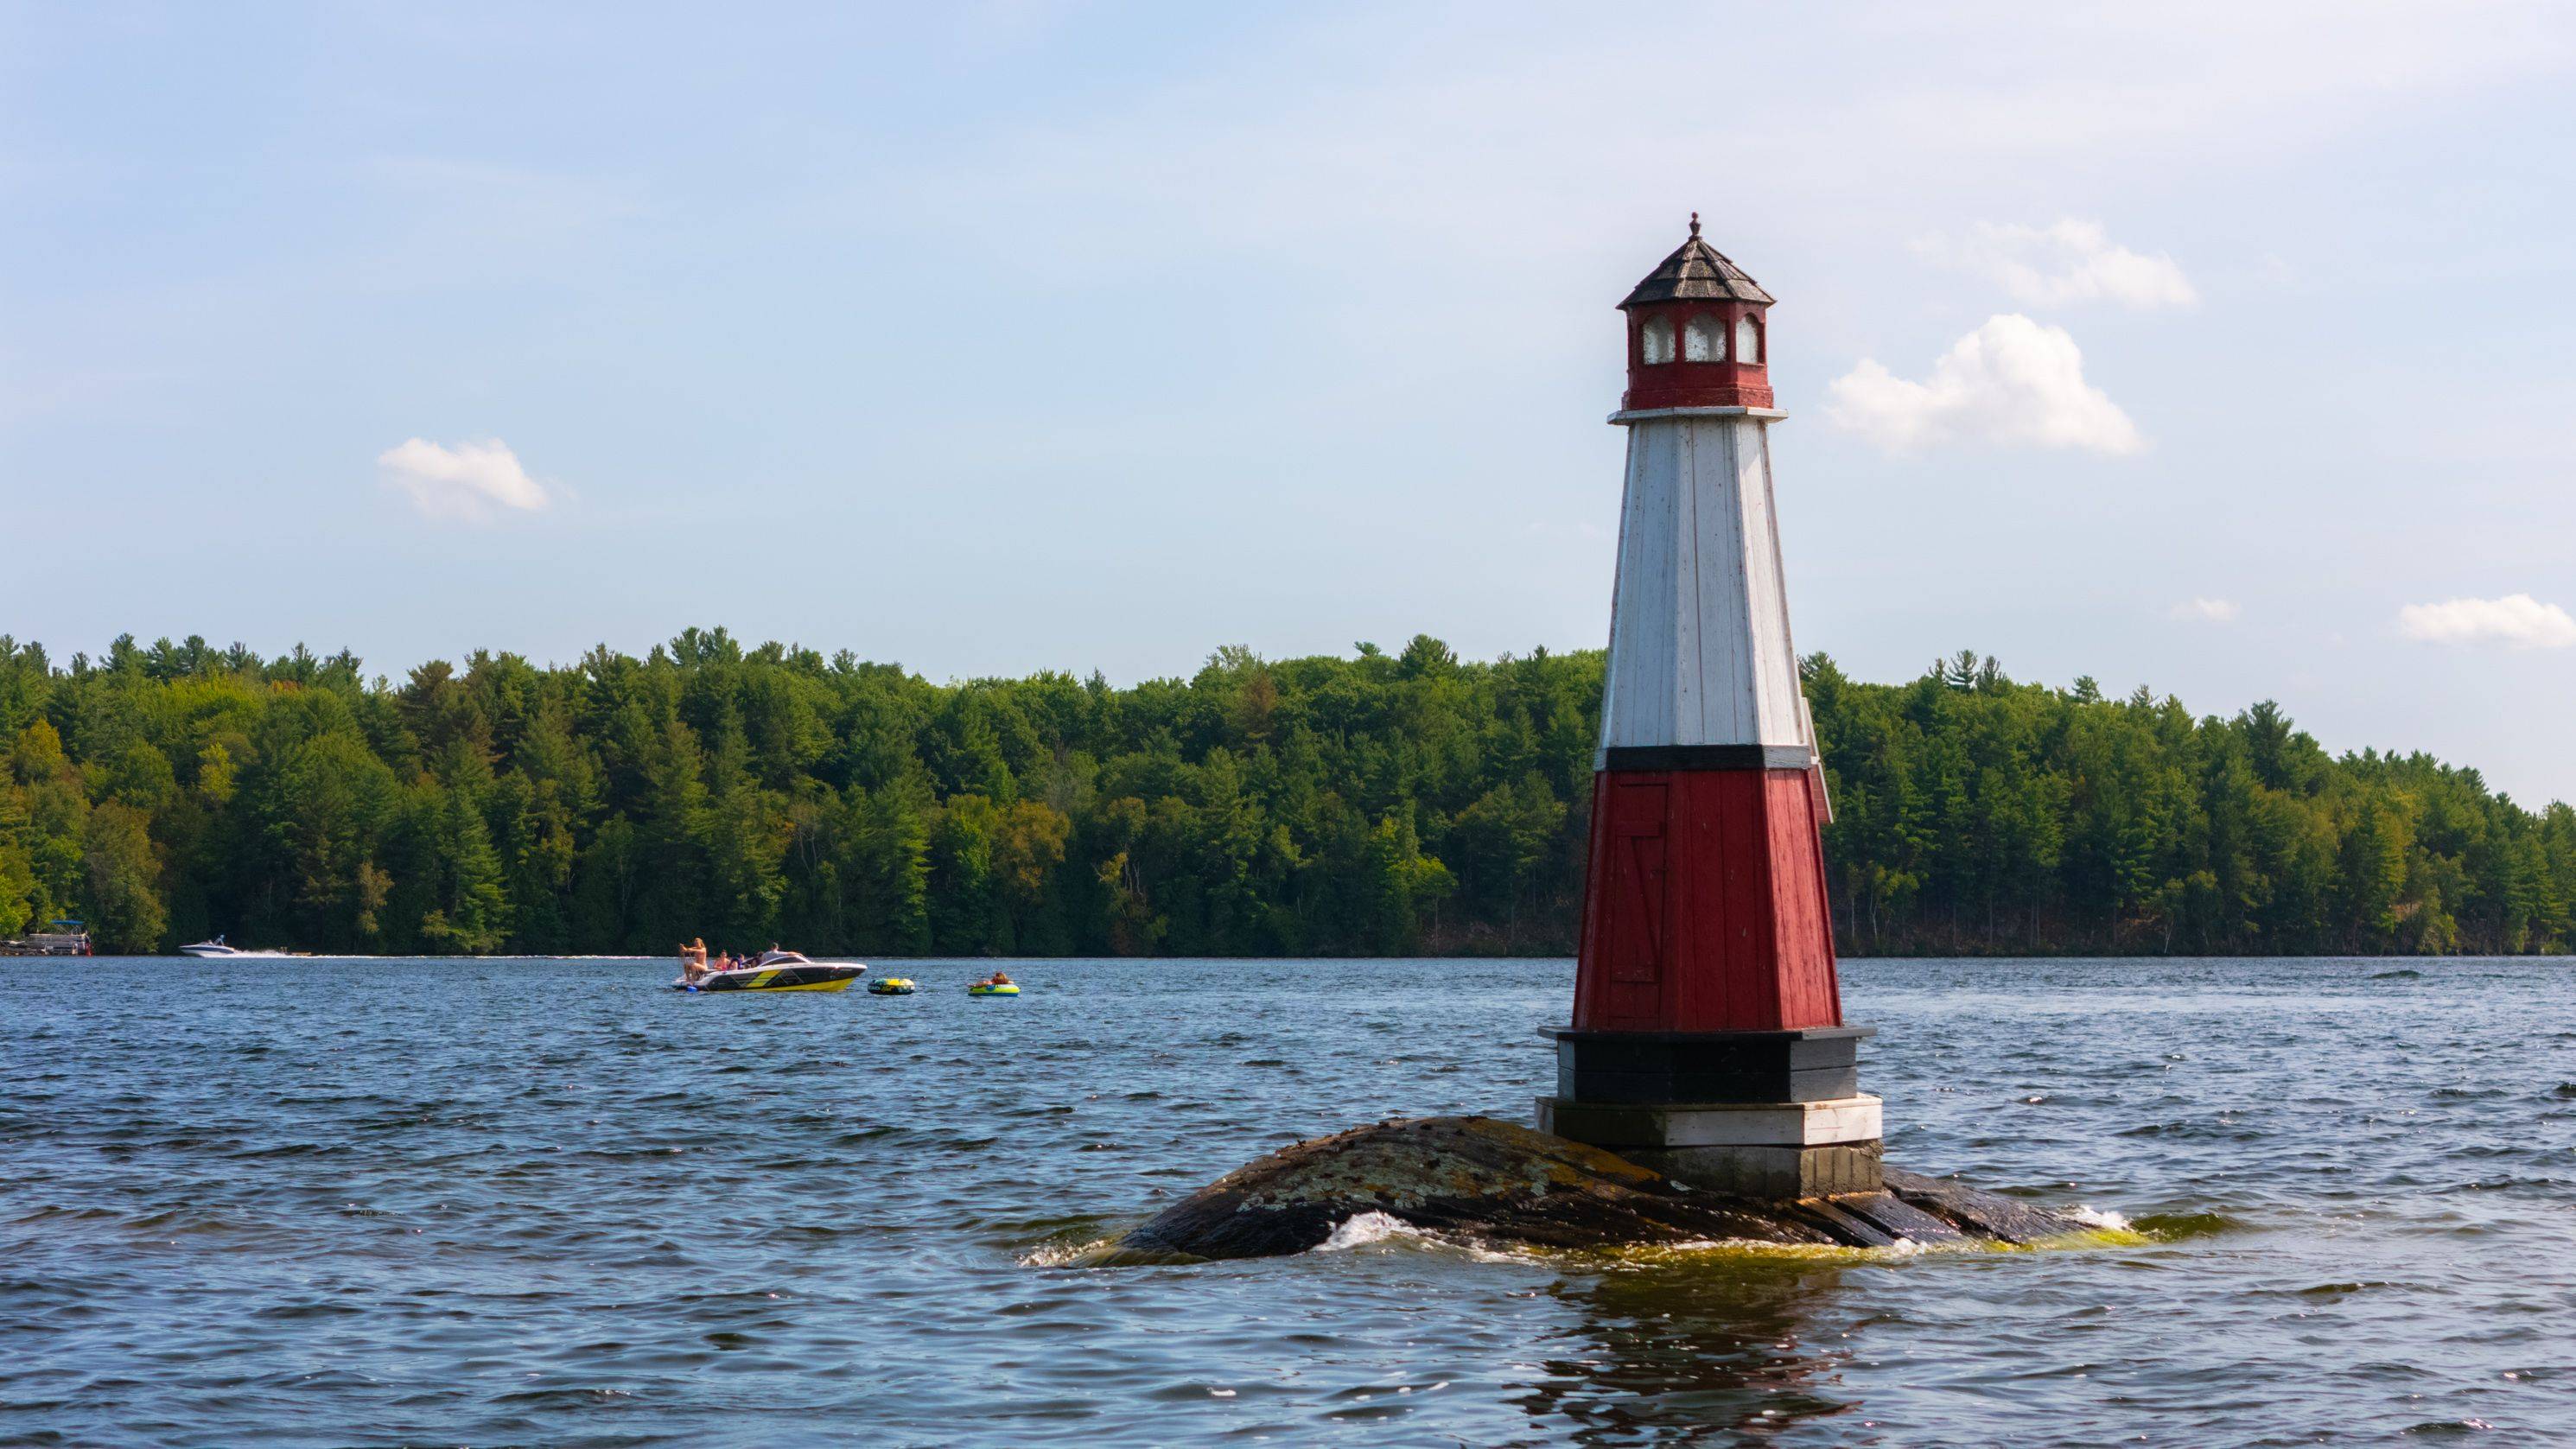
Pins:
x: 1698, y: 336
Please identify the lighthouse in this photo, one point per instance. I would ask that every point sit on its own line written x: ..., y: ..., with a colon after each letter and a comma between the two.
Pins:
x: 1708, y: 1039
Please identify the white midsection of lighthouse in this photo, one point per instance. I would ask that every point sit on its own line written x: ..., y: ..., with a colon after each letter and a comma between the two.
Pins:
x: 1699, y: 622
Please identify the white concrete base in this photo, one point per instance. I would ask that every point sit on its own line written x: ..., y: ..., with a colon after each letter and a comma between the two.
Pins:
x: 1769, y: 1172
x: 1840, y: 1120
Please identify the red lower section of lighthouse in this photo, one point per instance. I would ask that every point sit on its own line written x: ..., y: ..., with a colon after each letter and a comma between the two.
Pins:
x: 1704, y: 904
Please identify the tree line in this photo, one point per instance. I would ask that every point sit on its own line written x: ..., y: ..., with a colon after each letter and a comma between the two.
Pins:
x: 1373, y: 804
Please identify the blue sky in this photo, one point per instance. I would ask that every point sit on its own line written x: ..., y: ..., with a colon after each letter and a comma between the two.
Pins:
x: 2218, y: 348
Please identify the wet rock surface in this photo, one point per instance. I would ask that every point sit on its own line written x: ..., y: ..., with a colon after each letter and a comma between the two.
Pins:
x: 1500, y: 1182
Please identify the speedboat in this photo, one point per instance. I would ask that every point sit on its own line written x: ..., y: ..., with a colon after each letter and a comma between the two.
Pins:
x: 891, y: 986
x: 776, y: 970
x: 217, y: 950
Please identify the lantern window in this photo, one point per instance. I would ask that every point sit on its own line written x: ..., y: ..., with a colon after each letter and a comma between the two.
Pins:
x: 1655, y: 340
x: 1704, y: 340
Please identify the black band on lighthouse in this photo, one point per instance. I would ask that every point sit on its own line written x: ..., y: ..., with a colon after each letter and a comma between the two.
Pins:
x: 1706, y: 757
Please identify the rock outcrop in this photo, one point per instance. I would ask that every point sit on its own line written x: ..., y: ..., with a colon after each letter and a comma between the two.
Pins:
x: 1502, y: 1183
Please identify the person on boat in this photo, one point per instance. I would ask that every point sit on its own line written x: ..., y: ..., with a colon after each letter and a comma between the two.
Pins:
x: 693, y: 959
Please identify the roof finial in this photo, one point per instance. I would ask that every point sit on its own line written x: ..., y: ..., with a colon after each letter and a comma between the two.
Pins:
x: 1694, y: 226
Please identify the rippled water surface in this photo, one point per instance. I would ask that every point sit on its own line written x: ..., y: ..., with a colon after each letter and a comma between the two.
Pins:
x: 479, y: 1202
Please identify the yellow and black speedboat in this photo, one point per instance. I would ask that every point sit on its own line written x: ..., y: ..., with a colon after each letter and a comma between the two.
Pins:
x: 776, y: 971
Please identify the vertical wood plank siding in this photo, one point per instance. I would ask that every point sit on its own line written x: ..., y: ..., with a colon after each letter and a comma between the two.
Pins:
x: 1706, y: 905
x: 1700, y: 650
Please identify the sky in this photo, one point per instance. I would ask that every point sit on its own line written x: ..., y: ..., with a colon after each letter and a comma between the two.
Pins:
x: 2216, y: 348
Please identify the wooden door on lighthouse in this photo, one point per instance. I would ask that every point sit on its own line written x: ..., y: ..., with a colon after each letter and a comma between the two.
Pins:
x: 1636, y: 949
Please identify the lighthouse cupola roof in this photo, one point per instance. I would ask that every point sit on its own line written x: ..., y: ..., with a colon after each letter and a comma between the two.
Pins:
x: 1697, y: 272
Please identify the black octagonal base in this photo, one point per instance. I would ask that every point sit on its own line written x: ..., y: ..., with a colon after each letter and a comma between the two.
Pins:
x: 1818, y: 1064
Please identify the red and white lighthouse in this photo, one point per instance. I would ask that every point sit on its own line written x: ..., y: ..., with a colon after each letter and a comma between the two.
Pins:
x: 1708, y: 1037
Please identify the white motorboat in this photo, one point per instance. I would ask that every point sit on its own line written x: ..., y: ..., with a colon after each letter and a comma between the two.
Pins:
x: 775, y: 970
x: 217, y: 950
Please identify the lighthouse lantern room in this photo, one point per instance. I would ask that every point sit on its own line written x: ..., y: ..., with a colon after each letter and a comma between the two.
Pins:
x: 1708, y: 1039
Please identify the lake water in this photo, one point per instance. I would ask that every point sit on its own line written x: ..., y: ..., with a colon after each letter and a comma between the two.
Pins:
x: 549, y: 1202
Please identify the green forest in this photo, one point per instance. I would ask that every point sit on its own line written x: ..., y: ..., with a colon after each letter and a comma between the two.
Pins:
x: 1379, y: 804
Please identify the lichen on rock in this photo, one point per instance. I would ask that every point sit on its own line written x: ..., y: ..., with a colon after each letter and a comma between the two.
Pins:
x: 1498, y: 1182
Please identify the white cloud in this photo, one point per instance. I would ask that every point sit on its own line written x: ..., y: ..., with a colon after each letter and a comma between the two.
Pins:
x: 2070, y: 261
x: 471, y: 482
x: 2012, y: 381
x: 2516, y: 619
x: 2206, y: 611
